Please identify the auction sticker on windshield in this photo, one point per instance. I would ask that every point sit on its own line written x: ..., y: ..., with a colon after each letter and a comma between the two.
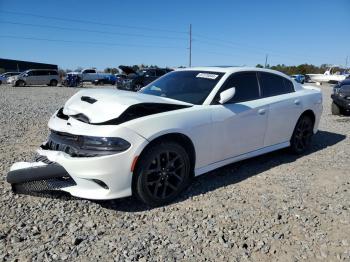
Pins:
x: 207, y: 76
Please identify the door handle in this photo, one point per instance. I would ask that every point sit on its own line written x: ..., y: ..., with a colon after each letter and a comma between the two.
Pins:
x: 297, y: 102
x: 261, y: 111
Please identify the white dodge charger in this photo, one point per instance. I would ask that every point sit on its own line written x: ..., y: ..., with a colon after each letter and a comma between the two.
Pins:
x: 107, y: 144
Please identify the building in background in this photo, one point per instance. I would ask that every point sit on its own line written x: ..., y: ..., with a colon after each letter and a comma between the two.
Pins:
x: 9, y: 65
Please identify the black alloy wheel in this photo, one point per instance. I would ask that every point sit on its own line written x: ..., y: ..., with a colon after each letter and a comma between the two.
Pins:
x: 162, y: 173
x: 138, y: 87
x: 302, y: 135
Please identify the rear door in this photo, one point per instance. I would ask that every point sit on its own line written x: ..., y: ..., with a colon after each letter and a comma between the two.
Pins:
x: 42, y: 76
x: 239, y: 125
x: 285, y: 107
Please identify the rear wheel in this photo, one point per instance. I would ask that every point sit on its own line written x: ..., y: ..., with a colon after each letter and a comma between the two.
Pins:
x: 302, y: 135
x: 335, y: 109
x: 162, y: 173
x: 53, y: 82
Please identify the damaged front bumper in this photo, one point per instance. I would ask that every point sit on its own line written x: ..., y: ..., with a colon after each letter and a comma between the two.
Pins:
x: 99, y: 177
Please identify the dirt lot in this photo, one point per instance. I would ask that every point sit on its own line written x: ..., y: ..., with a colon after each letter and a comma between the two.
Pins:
x: 275, y: 207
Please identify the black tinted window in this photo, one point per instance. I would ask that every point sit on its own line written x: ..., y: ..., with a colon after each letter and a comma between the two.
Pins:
x: 246, y: 85
x: 273, y: 85
x: 53, y: 72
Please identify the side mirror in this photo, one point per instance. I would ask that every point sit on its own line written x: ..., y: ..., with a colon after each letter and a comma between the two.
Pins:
x: 227, y: 95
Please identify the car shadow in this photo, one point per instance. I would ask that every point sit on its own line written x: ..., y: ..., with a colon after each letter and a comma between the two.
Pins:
x: 232, y: 173
x: 221, y: 177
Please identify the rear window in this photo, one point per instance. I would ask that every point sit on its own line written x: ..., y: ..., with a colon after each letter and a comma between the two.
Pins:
x: 273, y: 85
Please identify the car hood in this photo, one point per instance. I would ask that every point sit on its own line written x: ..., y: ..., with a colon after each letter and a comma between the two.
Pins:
x: 110, y: 106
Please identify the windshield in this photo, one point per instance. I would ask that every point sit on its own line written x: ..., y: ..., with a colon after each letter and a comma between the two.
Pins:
x: 188, y: 86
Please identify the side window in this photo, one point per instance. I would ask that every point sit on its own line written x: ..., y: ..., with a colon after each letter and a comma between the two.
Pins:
x: 273, y: 85
x: 246, y: 84
x: 288, y: 85
x: 31, y: 73
x: 89, y: 71
x: 53, y: 73
x: 41, y: 73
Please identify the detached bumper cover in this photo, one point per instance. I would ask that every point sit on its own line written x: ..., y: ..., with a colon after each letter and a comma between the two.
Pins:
x: 38, y: 177
x: 36, y: 173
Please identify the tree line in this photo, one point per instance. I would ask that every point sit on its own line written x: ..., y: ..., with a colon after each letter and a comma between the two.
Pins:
x: 289, y: 70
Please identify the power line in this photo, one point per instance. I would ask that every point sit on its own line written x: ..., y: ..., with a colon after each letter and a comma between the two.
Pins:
x: 92, y: 22
x: 91, y: 31
x: 190, y: 62
x: 256, y: 49
x: 87, y: 42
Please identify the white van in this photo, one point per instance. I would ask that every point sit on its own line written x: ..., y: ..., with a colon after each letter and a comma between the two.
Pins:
x: 37, y: 77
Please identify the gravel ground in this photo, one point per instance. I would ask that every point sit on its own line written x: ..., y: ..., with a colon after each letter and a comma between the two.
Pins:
x: 275, y: 207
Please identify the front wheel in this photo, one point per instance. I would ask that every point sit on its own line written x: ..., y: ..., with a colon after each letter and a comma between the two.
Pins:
x: 20, y: 83
x: 302, y: 135
x: 162, y: 173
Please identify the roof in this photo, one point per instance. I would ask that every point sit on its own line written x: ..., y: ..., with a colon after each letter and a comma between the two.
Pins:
x: 232, y: 69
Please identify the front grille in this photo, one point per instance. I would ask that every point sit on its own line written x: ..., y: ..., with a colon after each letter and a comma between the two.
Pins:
x: 44, y: 185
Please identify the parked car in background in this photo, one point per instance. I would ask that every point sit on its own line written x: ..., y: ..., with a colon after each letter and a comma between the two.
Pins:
x: 2, y: 80
x: 299, y: 78
x: 138, y: 79
x: 37, y: 77
x: 341, y: 98
x: 90, y: 75
x: 107, y: 143
x: 10, y: 76
x: 108, y: 79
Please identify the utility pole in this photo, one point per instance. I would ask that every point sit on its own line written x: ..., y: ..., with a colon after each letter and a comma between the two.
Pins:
x: 190, y: 62
x: 266, y: 57
x: 346, y: 62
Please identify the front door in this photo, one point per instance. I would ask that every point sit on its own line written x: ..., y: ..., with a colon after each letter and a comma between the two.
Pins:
x: 239, y: 125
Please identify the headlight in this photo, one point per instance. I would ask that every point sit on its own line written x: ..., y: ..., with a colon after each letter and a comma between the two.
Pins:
x: 104, y: 143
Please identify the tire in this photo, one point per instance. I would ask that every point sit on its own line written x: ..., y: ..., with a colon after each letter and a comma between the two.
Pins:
x: 162, y: 173
x: 20, y: 83
x: 335, y: 109
x: 53, y: 82
x: 0, y: 82
x: 302, y: 135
